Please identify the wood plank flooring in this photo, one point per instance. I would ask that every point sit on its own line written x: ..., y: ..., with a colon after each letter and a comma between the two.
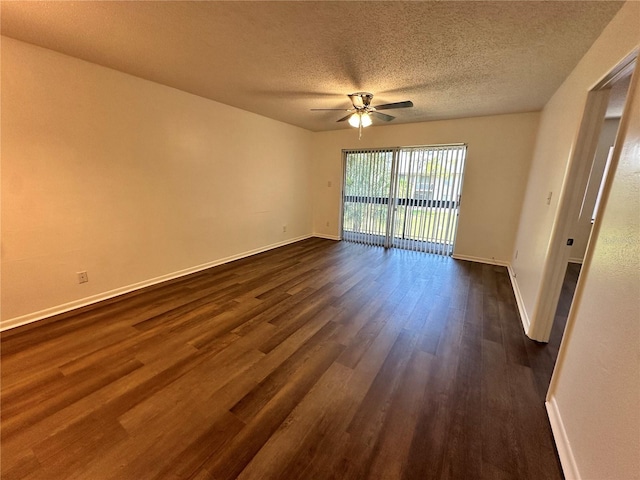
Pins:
x: 318, y: 360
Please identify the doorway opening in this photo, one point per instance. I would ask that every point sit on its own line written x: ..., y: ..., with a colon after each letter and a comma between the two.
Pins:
x: 578, y: 210
x: 404, y: 197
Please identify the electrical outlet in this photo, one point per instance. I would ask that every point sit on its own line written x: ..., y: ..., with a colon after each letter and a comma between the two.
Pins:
x: 284, y: 229
x: 83, y: 277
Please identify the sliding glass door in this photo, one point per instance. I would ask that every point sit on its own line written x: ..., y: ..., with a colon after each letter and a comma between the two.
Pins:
x: 403, y: 197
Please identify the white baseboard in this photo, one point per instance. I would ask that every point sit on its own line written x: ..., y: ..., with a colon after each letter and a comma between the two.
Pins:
x: 519, y: 301
x: 489, y: 261
x: 576, y: 260
x: 327, y: 236
x: 568, y: 461
x: 83, y: 302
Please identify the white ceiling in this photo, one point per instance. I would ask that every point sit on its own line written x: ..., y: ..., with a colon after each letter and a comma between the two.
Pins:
x: 280, y: 59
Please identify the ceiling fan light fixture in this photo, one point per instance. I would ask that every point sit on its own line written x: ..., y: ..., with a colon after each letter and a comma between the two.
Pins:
x: 360, y: 119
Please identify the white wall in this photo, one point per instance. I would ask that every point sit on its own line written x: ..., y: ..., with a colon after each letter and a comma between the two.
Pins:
x: 131, y: 180
x: 582, y: 229
x: 594, y: 399
x: 498, y: 159
x: 556, y: 137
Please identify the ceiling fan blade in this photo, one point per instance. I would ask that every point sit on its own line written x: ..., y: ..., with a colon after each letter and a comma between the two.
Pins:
x: 327, y: 109
x: 344, y: 118
x: 388, y: 106
x: 383, y: 116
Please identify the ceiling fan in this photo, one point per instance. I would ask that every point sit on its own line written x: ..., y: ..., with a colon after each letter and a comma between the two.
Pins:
x: 360, y: 115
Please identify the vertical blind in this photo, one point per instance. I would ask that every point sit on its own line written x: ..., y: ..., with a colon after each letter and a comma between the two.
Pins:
x: 367, y: 189
x: 403, y: 197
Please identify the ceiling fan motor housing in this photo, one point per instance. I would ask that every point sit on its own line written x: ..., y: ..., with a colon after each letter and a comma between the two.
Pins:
x: 361, y: 99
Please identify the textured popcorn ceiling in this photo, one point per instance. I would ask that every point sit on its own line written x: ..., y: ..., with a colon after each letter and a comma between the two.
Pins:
x: 279, y: 59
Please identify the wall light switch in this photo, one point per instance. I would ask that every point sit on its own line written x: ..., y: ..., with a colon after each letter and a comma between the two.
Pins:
x: 549, y: 198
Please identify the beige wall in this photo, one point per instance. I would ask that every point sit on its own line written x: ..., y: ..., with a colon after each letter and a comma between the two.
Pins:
x: 556, y: 136
x: 594, y: 400
x: 498, y: 159
x: 131, y: 180
x: 582, y: 229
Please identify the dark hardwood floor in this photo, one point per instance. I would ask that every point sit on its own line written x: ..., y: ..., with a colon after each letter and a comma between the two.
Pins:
x: 318, y: 360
